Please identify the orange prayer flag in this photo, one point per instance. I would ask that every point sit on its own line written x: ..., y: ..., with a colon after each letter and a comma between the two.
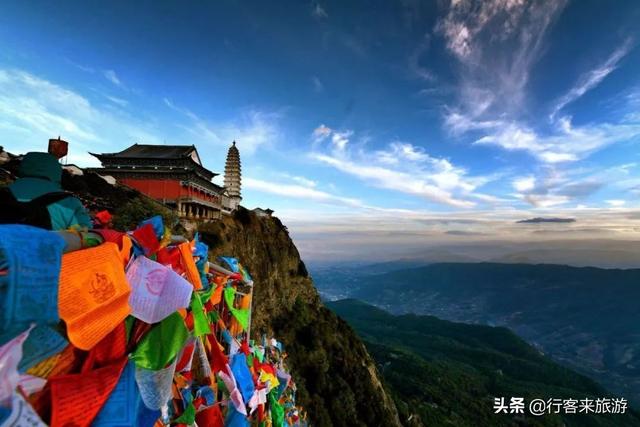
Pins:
x: 216, y: 297
x: 189, y: 265
x: 93, y: 297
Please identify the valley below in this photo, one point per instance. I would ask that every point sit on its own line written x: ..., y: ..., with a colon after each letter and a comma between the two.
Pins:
x: 586, y: 318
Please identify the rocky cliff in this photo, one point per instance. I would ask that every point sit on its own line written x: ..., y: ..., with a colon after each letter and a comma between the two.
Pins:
x: 337, y: 381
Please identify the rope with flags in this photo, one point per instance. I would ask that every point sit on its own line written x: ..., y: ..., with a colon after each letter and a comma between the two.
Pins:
x: 111, y: 328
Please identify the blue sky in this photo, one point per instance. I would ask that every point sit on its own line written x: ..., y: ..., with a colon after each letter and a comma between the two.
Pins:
x: 367, y: 119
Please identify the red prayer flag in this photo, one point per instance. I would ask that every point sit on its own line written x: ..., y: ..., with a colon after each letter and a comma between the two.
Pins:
x: 211, y: 417
x: 187, y: 352
x: 76, y: 399
x: 110, y: 349
x: 244, y: 347
x: 170, y: 256
x: 147, y: 239
x: 218, y: 360
x: 104, y: 217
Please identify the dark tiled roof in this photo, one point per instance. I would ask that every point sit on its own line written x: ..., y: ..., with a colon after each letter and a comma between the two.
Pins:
x: 146, y: 151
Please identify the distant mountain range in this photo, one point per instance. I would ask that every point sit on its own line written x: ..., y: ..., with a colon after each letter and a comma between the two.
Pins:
x: 445, y: 373
x: 586, y: 318
x: 603, y: 253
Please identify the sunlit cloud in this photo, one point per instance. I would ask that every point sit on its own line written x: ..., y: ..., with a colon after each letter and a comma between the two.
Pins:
x: 33, y: 109
x: 401, y: 167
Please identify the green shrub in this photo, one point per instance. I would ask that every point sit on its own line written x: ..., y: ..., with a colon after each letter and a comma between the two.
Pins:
x: 129, y: 215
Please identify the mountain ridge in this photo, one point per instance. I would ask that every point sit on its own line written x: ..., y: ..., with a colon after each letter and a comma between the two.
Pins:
x: 447, y: 373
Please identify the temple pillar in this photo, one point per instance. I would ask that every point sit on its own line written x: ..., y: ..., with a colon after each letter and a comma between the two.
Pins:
x: 189, y: 211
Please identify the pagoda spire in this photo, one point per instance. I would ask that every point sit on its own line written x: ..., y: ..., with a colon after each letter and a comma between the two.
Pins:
x: 232, y: 176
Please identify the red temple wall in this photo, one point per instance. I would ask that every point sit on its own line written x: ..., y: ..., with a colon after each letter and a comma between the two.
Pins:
x: 165, y: 189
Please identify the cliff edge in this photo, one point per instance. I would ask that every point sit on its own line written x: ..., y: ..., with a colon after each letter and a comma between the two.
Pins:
x: 337, y: 381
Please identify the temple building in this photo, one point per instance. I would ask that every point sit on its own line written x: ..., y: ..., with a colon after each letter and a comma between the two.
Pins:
x: 175, y: 176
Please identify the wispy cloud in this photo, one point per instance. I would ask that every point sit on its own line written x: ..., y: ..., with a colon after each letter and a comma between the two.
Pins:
x: 567, y: 143
x: 496, y: 43
x: 554, y: 186
x: 416, y: 68
x: 401, y: 167
x: 592, y: 78
x: 112, y: 77
x: 299, y: 191
x: 318, y: 87
x: 118, y: 101
x: 321, y: 133
x: 319, y: 12
x: 33, y: 109
x: 252, y: 130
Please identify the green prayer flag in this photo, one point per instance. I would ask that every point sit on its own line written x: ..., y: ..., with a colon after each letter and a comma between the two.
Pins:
x: 188, y: 417
x: 128, y: 325
x: 277, y: 411
x: 222, y: 386
x: 259, y: 354
x: 161, y: 344
x: 205, y: 296
x: 241, y: 315
x: 200, y: 321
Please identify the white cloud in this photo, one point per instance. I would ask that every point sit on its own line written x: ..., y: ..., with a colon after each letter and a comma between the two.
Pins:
x: 319, y: 12
x: 401, y: 151
x: 394, y: 180
x: 459, y: 123
x: 252, y: 130
x: 112, y: 77
x: 402, y: 167
x: 545, y: 200
x: 304, y: 181
x: 318, y: 87
x: 591, y: 79
x: 435, y: 181
x: 496, y: 43
x: 321, y: 133
x: 555, y: 185
x: 340, y: 139
x: 299, y: 192
x: 118, y: 101
x: 33, y: 109
x: 566, y: 144
x: 616, y: 203
x: 524, y: 184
